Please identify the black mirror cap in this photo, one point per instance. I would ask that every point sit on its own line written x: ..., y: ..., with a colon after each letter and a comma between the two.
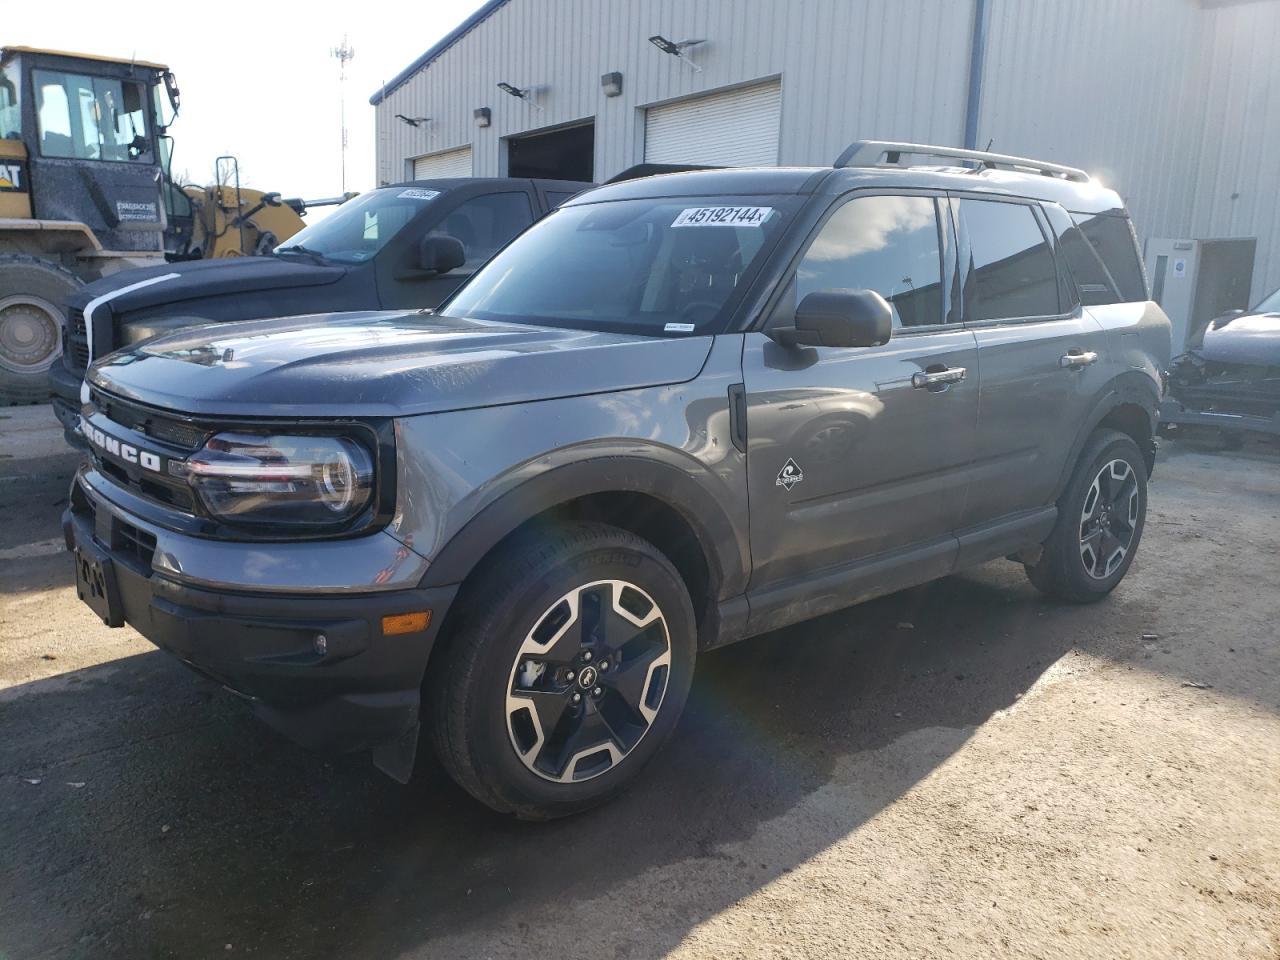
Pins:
x: 439, y: 254
x: 839, y: 318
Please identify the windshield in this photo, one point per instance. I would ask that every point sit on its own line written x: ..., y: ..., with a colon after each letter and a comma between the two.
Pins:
x: 653, y: 266
x: 358, y: 229
x: 1269, y: 304
x: 91, y: 118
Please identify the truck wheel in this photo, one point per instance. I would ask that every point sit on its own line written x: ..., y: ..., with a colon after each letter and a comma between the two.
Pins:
x: 32, y: 294
x: 566, y: 671
x: 1100, y: 519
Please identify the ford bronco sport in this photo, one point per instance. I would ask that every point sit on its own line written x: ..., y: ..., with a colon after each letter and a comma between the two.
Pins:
x: 677, y: 412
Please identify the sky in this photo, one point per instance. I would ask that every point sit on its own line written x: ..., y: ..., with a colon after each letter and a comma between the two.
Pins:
x: 257, y: 79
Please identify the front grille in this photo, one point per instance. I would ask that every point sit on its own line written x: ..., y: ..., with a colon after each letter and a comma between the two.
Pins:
x: 76, y: 341
x: 144, y: 420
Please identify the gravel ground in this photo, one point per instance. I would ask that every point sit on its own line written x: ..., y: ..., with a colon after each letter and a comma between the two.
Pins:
x: 959, y: 770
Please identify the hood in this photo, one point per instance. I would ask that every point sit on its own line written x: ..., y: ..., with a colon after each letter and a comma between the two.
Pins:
x: 385, y: 364
x: 207, y: 278
x: 1251, y: 338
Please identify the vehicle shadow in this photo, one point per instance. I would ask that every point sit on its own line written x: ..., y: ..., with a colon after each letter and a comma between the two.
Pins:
x: 196, y: 827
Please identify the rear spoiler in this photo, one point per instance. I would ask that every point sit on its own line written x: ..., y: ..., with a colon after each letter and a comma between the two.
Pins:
x: 654, y: 169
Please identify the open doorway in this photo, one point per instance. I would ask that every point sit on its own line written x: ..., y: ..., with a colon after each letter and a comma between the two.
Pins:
x: 564, y: 154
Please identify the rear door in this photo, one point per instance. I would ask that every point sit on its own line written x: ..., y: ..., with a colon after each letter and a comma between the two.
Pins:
x: 851, y: 455
x: 1038, y: 353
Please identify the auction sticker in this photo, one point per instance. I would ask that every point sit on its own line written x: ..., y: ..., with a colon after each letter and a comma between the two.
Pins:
x: 722, y: 216
x: 417, y: 193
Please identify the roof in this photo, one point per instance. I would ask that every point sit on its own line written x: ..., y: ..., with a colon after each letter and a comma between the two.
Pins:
x: 456, y: 34
x: 1090, y: 197
x: 124, y: 61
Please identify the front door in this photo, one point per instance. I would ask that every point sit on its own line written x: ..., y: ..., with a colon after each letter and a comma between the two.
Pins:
x: 853, y: 454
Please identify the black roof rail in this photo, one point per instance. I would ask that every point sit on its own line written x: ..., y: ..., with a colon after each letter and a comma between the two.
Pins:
x: 874, y: 153
x: 654, y: 169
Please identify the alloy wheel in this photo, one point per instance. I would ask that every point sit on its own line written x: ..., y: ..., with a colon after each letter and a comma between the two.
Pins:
x: 1109, y: 518
x: 588, y: 681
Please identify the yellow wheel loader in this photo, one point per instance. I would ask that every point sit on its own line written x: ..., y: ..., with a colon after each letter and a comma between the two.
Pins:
x: 85, y: 192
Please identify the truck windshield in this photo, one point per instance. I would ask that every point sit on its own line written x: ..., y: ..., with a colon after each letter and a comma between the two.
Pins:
x: 91, y: 118
x: 358, y: 229
x: 659, y: 267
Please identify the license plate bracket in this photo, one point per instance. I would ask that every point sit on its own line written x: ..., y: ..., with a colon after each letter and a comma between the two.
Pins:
x: 96, y: 583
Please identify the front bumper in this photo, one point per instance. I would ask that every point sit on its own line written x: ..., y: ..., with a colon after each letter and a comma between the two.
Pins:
x: 359, y: 689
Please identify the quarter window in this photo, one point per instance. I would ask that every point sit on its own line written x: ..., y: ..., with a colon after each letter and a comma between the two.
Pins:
x: 1011, y: 268
x: 1103, y: 257
x: 881, y: 243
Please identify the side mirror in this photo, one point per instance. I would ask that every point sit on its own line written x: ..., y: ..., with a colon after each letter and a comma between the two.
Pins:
x: 437, y: 254
x: 839, y: 318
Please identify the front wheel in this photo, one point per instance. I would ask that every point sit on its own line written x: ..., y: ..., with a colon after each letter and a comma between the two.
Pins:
x: 32, y: 294
x: 566, y: 671
x: 1100, y: 520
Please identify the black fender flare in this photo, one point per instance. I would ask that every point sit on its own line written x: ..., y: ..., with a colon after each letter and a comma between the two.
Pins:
x: 1132, y: 387
x: 724, y: 544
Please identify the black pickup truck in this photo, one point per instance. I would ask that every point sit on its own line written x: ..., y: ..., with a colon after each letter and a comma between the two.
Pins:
x: 381, y: 250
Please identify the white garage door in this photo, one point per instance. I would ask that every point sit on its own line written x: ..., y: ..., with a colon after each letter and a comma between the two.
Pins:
x: 734, y: 128
x: 451, y: 163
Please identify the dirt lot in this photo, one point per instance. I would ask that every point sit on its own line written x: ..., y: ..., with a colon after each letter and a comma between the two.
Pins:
x: 964, y: 769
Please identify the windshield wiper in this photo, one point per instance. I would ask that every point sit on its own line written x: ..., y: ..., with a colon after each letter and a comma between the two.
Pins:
x: 315, y: 255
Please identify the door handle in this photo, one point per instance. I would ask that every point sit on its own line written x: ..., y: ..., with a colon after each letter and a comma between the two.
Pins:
x: 1077, y: 358
x: 933, y: 379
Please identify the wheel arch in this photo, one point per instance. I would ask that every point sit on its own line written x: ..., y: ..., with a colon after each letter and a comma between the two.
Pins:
x: 656, y: 500
x: 1130, y: 405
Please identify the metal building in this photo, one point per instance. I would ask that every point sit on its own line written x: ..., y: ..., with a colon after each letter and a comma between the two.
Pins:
x: 1176, y: 103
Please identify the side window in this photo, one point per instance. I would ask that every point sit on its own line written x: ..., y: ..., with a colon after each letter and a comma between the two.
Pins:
x: 1103, y: 256
x: 557, y: 197
x: 1011, y: 268
x: 886, y: 244
x: 484, y: 224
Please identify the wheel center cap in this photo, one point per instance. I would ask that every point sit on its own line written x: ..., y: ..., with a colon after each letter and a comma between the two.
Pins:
x: 587, y: 678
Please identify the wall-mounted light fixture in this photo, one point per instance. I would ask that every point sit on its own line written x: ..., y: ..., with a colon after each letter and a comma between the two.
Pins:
x: 611, y: 83
x: 413, y: 121
x: 482, y: 116
x: 677, y: 48
x: 526, y: 94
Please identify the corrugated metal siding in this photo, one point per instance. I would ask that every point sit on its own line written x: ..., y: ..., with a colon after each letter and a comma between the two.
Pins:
x: 1237, y: 143
x: 736, y: 128
x: 876, y: 68
x: 1175, y: 105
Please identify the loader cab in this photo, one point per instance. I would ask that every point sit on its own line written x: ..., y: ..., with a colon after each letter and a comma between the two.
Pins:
x: 74, y: 121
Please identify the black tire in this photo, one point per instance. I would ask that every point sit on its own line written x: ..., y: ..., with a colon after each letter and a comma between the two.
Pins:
x: 1068, y: 568
x: 494, y: 750
x: 33, y: 294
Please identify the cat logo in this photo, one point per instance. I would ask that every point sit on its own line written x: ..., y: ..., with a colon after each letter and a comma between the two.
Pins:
x: 789, y: 475
x: 13, y: 176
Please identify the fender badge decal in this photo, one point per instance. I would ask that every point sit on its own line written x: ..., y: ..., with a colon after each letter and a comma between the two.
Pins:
x: 789, y: 475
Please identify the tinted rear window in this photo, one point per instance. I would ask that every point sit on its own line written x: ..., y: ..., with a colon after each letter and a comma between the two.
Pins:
x: 1103, y: 256
x: 1012, y: 273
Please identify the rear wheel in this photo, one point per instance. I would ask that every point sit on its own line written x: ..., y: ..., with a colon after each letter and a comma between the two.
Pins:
x: 32, y: 297
x: 565, y: 673
x: 1100, y: 520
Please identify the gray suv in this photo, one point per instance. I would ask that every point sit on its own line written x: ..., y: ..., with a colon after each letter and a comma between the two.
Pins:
x: 677, y: 412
